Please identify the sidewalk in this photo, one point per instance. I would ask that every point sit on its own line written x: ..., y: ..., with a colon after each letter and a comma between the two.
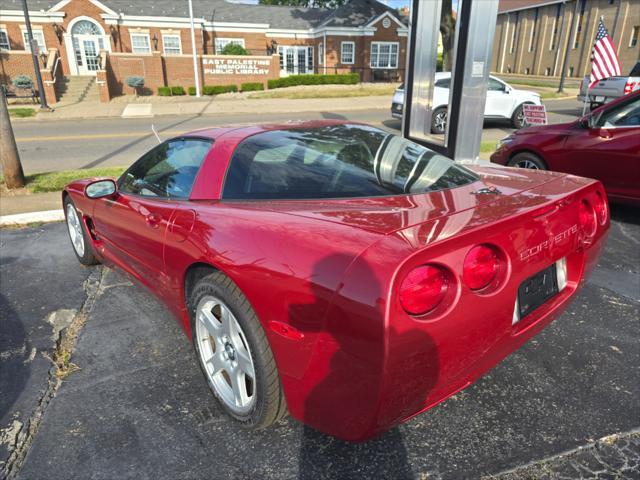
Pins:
x: 207, y: 106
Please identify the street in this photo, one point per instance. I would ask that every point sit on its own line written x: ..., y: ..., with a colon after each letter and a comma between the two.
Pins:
x: 63, y: 145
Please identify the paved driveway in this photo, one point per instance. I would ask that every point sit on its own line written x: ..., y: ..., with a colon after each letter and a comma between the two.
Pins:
x: 137, y: 407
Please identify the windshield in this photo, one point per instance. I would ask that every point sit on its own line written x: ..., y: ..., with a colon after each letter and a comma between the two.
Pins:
x: 336, y: 161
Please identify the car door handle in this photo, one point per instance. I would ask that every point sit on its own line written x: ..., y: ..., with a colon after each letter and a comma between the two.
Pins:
x: 153, y: 220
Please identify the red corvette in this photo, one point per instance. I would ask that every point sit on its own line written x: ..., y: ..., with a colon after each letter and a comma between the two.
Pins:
x: 337, y: 272
x: 605, y: 144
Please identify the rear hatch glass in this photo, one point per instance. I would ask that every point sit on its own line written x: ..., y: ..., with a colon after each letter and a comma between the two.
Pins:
x: 336, y: 161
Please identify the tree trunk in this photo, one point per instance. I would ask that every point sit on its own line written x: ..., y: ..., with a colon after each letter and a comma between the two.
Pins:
x: 448, y: 32
x: 11, y: 166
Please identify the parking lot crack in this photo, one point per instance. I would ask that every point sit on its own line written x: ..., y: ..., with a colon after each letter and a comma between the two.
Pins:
x: 67, y: 325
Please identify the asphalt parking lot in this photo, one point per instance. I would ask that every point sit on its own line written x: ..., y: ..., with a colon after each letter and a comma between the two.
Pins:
x: 135, y: 404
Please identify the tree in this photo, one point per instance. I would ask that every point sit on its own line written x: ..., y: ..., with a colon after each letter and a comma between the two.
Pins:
x: 448, y: 32
x: 9, y: 156
x: 306, y: 3
x: 234, y: 49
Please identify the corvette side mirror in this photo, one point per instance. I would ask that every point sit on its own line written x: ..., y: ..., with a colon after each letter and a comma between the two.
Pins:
x: 101, y: 189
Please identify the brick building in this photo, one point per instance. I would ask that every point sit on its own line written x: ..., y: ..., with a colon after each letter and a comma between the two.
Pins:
x: 112, y: 39
x: 532, y: 36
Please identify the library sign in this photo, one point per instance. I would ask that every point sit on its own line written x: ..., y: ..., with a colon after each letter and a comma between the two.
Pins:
x: 240, y: 68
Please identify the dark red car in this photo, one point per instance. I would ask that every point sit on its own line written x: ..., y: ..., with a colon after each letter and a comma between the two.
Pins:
x: 336, y: 271
x: 604, y: 145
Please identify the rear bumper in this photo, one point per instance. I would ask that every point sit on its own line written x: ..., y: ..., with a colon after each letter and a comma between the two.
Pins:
x: 396, y: 110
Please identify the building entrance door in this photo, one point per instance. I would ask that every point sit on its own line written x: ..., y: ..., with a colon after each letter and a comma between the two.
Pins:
x: 88, y: 41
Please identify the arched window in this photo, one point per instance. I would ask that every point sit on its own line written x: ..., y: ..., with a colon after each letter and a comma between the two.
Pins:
x: 85, y: 27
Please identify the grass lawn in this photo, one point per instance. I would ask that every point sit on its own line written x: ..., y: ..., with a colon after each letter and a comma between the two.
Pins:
x: 321, y: 91
x: 55, y: 181
x: 22, y: 112
x: 487, y: 146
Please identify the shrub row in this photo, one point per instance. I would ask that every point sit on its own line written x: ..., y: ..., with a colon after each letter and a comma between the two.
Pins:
x: 214, y: 89
x: 168, y: 91
x: 251, y: 86
x: 313, y: 79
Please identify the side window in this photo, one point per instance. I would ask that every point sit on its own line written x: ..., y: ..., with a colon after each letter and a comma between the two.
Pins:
x: 495, y: 86
x: 626, y: 115
x: 167, y: 171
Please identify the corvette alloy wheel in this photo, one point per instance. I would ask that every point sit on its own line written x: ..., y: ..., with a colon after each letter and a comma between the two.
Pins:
x: 75, y: 230
x: 225, y: 355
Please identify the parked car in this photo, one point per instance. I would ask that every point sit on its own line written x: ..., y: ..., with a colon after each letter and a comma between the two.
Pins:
x: 336, y: 271
x: 604, y: 144
x: 609, y: 89
x: 503, y: 102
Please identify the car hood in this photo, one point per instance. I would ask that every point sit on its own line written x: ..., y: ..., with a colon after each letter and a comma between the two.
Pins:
x: 385, y: 215
x: 537, y: 129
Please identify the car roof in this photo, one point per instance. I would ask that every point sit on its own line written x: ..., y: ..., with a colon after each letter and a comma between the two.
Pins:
x: 243, y: 131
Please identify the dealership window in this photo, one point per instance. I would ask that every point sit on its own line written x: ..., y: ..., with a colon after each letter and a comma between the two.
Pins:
x: 220, y: 43
x: 172, y: 44
x: 4, y: 40
x: 140, y: 43
x: 38, y: 36
x: 347, y: 52
x: 384, y: 55
x: 635, y: 32
x: 321, y: 53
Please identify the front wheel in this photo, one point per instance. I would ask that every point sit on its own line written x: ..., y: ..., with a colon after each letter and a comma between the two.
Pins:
x: 234, y: 353
x: 439, y: 121
x: 78, y: 234
x: 527, y: 160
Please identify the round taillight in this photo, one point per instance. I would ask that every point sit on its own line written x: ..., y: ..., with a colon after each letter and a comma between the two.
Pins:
x: 423, y: 289
x: 600, y: 207
x: 587, y: 218
x: 480, y: 267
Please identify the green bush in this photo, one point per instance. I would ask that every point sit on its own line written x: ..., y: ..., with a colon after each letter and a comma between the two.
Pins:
x: 251, y: 86
x: 164, y: 91
x: 234, y: 49
x: 218, y: 89
x: 177, y: 91
x: 313, y: 79
x: 22, y: 81
x: 192, y: 91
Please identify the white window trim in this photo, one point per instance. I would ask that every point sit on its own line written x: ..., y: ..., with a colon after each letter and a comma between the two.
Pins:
x: 397, y: 44
x: 321, y: 53
x: 4, y: 30
x: 237, y: 40
x: 34, y: 31
x: 176, y: 35
x: 353, y: 53
x: 138, y: 34
x: 635, y: 29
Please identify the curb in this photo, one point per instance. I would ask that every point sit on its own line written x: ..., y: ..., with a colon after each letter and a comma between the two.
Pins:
x: 32, y: 217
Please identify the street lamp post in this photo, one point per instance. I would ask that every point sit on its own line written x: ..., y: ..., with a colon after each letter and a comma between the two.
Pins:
x: 34, y: 55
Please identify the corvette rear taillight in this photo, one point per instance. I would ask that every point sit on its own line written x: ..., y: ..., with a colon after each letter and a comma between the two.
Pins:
x: 480, y: 267
x: 423, y: 289
x: 600, y: 207
x: 587, y: 218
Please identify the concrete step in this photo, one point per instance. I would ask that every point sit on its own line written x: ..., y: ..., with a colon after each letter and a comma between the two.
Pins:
x: 77, y: 89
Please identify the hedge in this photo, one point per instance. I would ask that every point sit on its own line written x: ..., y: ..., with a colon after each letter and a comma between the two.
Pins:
x: 164, y: 91
x: 214, y: 89
x: 177, y: 91
x: 251, y: 86
x: 312, y: 79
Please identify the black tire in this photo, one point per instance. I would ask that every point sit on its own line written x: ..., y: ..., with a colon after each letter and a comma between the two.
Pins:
x: 517, y: 119
x: 439, y: 121
x: 88, y: 257
x: 527, y: 160
x: 270, y: 405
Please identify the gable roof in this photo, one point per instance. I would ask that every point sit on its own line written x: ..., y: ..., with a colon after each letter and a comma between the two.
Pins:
x: 356, y: 13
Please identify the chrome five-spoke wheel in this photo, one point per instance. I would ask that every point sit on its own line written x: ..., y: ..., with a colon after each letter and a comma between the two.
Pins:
x: 75, y: 230
x: 225, y: 355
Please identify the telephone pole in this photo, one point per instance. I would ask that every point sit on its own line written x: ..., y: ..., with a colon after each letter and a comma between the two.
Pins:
x: 34, y: 55
x: 9, y: 157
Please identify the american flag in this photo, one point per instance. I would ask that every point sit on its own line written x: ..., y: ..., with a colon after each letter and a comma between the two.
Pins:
x: 604, y: 60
